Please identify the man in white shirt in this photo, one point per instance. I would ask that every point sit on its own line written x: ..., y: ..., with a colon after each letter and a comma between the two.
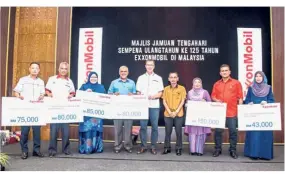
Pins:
x: 150, y: 84
x: 31, y: 87
x: 60, y: 87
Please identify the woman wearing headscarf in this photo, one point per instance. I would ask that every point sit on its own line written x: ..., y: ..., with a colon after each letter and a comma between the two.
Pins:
x: 197, y: 134
x: 91, y: 130
x: 259, y: 144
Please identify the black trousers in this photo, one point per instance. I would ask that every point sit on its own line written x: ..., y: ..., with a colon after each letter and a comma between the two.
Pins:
x: 231, y: 124
x: 178, y: 122
x: 36, y: 138
x: 54, y: 128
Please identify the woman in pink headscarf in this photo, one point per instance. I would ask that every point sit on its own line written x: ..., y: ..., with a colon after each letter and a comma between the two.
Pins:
x: 197, y: 135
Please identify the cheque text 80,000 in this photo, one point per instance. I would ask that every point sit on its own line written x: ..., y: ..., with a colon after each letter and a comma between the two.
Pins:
x: 131, y: 114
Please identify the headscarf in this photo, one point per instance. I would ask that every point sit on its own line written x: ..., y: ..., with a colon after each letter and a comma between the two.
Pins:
x: 196, y: 93
x: 94, y: 87
x: 260, y: 89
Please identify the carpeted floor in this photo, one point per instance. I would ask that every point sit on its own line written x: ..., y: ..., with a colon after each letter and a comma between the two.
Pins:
x: 132, y: 162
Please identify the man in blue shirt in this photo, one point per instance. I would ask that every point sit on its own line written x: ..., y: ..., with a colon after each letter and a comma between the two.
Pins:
x: 123, y: 86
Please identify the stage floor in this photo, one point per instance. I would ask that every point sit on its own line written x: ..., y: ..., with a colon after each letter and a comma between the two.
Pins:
x: 130, y: 162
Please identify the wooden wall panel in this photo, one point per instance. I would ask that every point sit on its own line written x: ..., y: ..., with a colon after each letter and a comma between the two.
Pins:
x: 10, y: 52
x: 4, y: 45
x: 63, y: 35
x: 42, y: 35
x: 43, y: 44
x: 35, y: 36
x: 7, y: 43
x: 277, y: 21
x: 35, y: 40
x: 4, y: 17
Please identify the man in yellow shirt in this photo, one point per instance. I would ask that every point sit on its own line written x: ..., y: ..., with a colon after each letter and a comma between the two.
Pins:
x: 174, y: 97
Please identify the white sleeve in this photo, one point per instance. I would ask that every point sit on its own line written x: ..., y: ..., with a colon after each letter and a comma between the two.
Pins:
x: 19, y: 86
x: 72, y: 88
x: 160, y: 87
x: 138, y: 85
x: 49, y: 85
x: 42, y: 87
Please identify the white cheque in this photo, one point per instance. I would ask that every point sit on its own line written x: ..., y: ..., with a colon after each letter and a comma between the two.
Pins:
x: 259, y: 117
x: 95, y: 104
x: 133, y: 107
x: 107, y: 106
x: 206, y: 114
x: 17, y: 112
x: 63, y: 110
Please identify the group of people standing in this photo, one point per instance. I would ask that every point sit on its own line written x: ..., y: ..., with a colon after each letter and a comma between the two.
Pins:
x: 31, y: 87
x: 258, y: 144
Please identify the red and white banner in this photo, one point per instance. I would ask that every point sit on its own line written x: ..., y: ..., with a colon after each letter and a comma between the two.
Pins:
x: 249, y: 55
x: 89, y: 53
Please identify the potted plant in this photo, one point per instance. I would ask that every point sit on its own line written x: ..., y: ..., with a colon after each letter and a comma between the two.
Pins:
x: 3, y: 157
x: 3, y: 161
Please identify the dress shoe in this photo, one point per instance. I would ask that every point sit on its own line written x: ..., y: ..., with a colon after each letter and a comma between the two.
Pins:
x: 178, y: 152
x: 153, y: 151
x: 253, y: 158
x: 141, y: 151
x: 217, y: 153
x: 51, y: 154
x: 233, y: 154
x: 135, y: 143
x: 166, y: 151
x: 67, y: 153
x: 24, y: 155
x: 193, y: 153
x: 134, y: 139
x: 38, y: 154
x: 129, y: 150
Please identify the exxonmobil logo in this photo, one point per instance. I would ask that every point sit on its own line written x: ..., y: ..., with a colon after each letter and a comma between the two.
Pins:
x: 88, y: 51
x: 36, y: 101
x: 137, y: 97
x: 270, y: 106
x: 249, y: 55
x: 101, y: 96
x: 248, y: 59
x: 217, y: 105
x: 74, y: 100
